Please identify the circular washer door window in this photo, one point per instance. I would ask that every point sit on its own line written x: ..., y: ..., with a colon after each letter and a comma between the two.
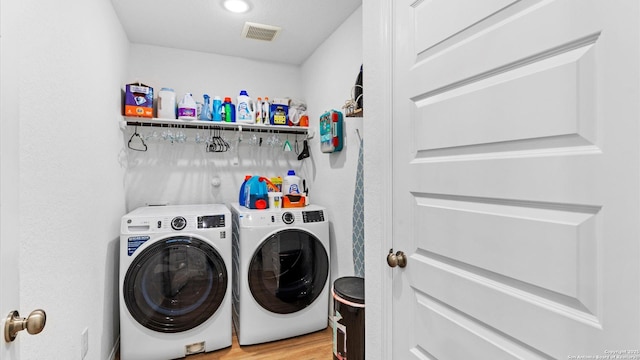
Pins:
x: 175, y: 285
x: 288, y: 271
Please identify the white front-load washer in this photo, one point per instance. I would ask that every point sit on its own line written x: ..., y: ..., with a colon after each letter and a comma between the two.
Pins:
x: 175, y: 281
x: 280, y: 272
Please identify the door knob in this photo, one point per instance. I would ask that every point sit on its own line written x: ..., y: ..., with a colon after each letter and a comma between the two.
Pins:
x: 34, y: 324
x: 397, y: 259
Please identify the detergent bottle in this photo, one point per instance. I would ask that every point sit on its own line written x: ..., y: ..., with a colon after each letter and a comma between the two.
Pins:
x: 229, y: 110
x: 187, y: 108
x: 259, y: 111
x: 291, y: 183
x: 266, y: 110
x: 216, y: 114
x: 245, y: 109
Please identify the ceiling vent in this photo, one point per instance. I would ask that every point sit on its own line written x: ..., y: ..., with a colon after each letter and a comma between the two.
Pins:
x: 260, y: 31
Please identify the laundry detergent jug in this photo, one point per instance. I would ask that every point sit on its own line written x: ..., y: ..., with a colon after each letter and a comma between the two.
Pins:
x: 245, y: 109
x: 256, y: 192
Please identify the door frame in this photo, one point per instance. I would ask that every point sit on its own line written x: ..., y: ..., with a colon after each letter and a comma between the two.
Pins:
x: 377, y: 129
x: 9, y: 171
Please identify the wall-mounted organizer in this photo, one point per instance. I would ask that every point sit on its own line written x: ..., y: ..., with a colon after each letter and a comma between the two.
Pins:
x: 172, y: 131
x: 331, y: 139
x: 200, y: 124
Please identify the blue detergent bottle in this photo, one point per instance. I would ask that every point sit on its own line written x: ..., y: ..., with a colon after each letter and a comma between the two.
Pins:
x: 217, y: 109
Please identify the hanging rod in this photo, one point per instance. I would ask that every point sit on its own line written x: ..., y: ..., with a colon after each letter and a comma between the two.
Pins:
x: 200, y: 124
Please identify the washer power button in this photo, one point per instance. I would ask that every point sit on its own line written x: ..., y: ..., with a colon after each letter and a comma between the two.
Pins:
x: 288, y: 218
x: 178, y: 223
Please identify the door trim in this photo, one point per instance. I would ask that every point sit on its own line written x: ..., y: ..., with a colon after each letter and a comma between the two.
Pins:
x: 377, y: 130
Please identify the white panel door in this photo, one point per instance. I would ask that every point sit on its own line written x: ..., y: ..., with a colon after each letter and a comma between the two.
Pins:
x: 516, y: 187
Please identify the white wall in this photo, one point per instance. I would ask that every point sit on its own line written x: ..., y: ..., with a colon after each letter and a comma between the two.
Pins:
x: 328, y: 76
x: 182, y: 173
x: 72, y: 64
x: 73, y: 158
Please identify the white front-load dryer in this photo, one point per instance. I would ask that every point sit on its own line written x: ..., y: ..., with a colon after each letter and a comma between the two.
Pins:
x: 280, y: 271
x: 175, y: 281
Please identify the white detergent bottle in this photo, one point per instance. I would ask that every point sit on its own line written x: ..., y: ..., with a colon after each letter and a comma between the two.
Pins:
x: 291, y: 183
x: 245, y: 109
x: 266, y: 111
x: 187, y: 108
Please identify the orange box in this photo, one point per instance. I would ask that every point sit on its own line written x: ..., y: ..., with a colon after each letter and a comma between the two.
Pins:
x: 293, y: 201
x: 138, y: 100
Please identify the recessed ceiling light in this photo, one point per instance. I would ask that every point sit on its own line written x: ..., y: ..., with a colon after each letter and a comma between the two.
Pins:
x: 236, y: 6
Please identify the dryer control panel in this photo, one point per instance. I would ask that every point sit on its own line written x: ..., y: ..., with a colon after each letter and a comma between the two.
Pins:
x: 313, y: 216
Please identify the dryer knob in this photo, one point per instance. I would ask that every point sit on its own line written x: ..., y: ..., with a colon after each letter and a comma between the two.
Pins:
x: 288, y: 218
x: 178, y: 223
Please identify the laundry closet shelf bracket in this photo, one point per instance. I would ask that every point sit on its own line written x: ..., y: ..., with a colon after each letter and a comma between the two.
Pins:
x: 200, y: 124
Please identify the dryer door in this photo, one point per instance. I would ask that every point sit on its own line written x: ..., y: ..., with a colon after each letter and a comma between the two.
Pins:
x: 288, y: 271
x: 175, y: 284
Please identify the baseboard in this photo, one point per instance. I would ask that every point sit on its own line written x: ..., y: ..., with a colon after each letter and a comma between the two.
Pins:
x: 114, y: 350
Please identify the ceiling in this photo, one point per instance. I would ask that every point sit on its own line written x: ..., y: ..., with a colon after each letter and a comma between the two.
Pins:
x: 205, y: 26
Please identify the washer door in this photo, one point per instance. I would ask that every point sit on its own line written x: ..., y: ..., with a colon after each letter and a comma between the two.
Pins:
x: 288, y: 271
x: 175, y: 284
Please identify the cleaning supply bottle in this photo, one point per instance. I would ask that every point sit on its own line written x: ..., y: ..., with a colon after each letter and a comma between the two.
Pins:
x: 229, y: 110
x: 266, y: 111
x: 245, y: 109
x: 259, y: 111
x: 187, y: 108
x: 291, y: 183
x: 167, y: 103
x: 216, y: 114
x: 205, y: 114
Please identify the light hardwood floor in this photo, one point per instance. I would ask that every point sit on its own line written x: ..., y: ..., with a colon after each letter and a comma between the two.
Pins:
x: 314, y: 346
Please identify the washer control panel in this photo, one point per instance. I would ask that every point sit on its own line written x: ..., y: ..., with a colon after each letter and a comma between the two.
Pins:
x: 210, y: 221
x: 313, y: 216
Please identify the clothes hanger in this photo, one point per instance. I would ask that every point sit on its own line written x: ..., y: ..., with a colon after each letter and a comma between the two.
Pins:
x: 305, y: 150
x: 136, y: 135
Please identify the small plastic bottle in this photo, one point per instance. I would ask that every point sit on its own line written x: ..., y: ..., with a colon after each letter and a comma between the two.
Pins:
x: 266, y: 111
x: 259, y: 111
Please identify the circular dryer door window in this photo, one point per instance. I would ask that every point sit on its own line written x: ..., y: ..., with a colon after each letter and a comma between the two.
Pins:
x: 288, y: 271
x: 175, y: 284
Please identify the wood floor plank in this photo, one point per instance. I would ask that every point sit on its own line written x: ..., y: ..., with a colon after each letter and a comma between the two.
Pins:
x: 314, y: 346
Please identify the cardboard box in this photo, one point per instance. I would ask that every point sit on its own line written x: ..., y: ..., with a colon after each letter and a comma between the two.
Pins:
x: 138, y: 100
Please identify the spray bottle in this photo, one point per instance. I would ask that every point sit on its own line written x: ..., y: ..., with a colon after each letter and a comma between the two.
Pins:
x: 205, y: 114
